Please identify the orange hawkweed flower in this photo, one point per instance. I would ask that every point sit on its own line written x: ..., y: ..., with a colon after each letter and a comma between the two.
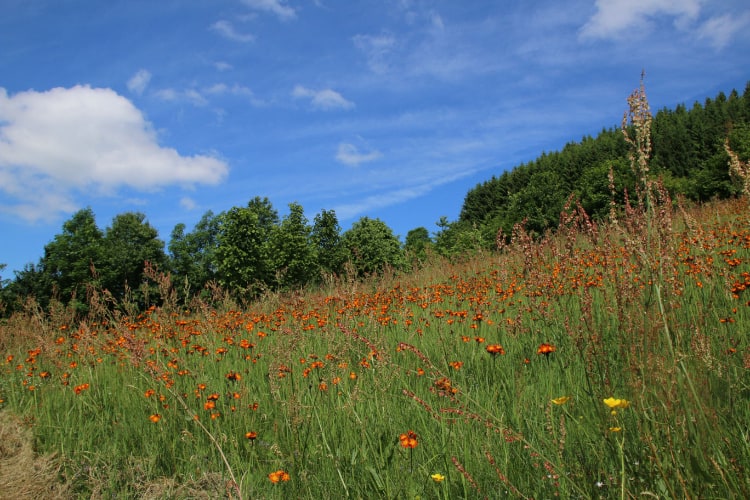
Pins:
x: 278, y: 476
x: 155, y: 418
x: 251, y: 436
x: 80, y: 388
x: 149, y: 393
x: 546, y: 349
x: 408, y: 440
x: 233, y: 376
x: 495, y: 349
x: 456, y: 365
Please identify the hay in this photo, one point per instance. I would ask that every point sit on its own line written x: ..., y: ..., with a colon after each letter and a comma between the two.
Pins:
x: 23, y: 473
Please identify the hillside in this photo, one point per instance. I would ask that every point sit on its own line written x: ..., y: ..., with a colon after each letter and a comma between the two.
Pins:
x: 687, y: 153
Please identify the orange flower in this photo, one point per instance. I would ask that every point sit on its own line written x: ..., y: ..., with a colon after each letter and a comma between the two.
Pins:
x: 209, y: 405
x: 408, y: 440
x: 80, y: 388
x: 495, y: 349
x: 546, y: 349
x: 456, y: 365
x: 149, y: 393
x: 155, y: 418
x: 233, y: 376
x: 251, y: 436
x: 278, y: 476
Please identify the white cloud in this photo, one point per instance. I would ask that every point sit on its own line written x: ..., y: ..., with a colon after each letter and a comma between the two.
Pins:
x: 618, y: 18
x: 377, y: 48
x: 719, y: 30
x: 235, y: 90
x: 322, y: 99
x: 277, y: 7
x: 191, y: 95
x: 225, y: 29
x: 68, y: 140
x: 222, y: 66
x: 138, y: 82
x: 349, y: 154
x: 188, y: 203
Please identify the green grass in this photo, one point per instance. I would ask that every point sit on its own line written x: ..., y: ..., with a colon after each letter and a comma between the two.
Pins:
x: 653, y: 314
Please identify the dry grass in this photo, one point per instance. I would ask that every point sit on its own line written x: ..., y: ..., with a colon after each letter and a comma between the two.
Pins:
x: 23, y: 473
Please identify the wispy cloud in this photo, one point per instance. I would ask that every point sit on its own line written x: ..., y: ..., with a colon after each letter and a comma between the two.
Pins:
x: 235, y: 90
x: 226, y: 29
x: 325, y: 99
x: 222, y: 66
x: 192, y: 96
x: 139, y: 81
x: 377, y: 49
x: 278, y: 7
x: 393, y: 196
x: 350, y: 155
x: 619, y: 18
x: 188, y: 203
x: 719, y: 30
x: 77, y: 139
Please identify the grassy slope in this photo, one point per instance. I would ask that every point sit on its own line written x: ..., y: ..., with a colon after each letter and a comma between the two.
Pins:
x: 650, y: 310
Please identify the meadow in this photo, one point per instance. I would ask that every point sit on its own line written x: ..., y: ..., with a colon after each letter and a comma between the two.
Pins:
x: 604, y: 361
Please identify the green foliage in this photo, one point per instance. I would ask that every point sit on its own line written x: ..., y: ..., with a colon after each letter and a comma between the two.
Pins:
x: 193, y: 255
x: 292, y: 252
x: 128, y: 244
x: 243, y: 254
x: 326, y: 239
x: 687, y: 153
x: 417, y: 244
x: 372, y: 247
x: 71, y: 259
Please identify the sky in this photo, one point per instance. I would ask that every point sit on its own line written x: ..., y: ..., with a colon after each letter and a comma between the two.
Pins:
x: 390, y: 109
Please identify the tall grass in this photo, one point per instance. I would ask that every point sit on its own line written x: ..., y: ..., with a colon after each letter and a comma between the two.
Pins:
x: 480, y: 378
x: 161, y: 404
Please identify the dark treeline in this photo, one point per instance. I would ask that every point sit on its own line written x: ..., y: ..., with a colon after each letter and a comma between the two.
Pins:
x: 687, y: 154
x: 245, y: 251
x: 249, y: 250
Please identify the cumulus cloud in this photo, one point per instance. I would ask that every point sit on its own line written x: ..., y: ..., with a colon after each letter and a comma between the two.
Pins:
x: 68, y: 140
x: 350, y: 155
x: 225, y: 29
x: 322, y: 99
x: 278, y: 7
x: 617, y: 18
x: 138, y: 82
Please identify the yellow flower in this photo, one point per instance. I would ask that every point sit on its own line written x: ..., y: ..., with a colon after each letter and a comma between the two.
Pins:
x: 617, y: 403
x: 561, y: 400
x: 437, y: 477
x: 615, y: 429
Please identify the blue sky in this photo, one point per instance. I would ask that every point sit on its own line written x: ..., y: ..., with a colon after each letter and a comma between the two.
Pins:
x: 391, y: 109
